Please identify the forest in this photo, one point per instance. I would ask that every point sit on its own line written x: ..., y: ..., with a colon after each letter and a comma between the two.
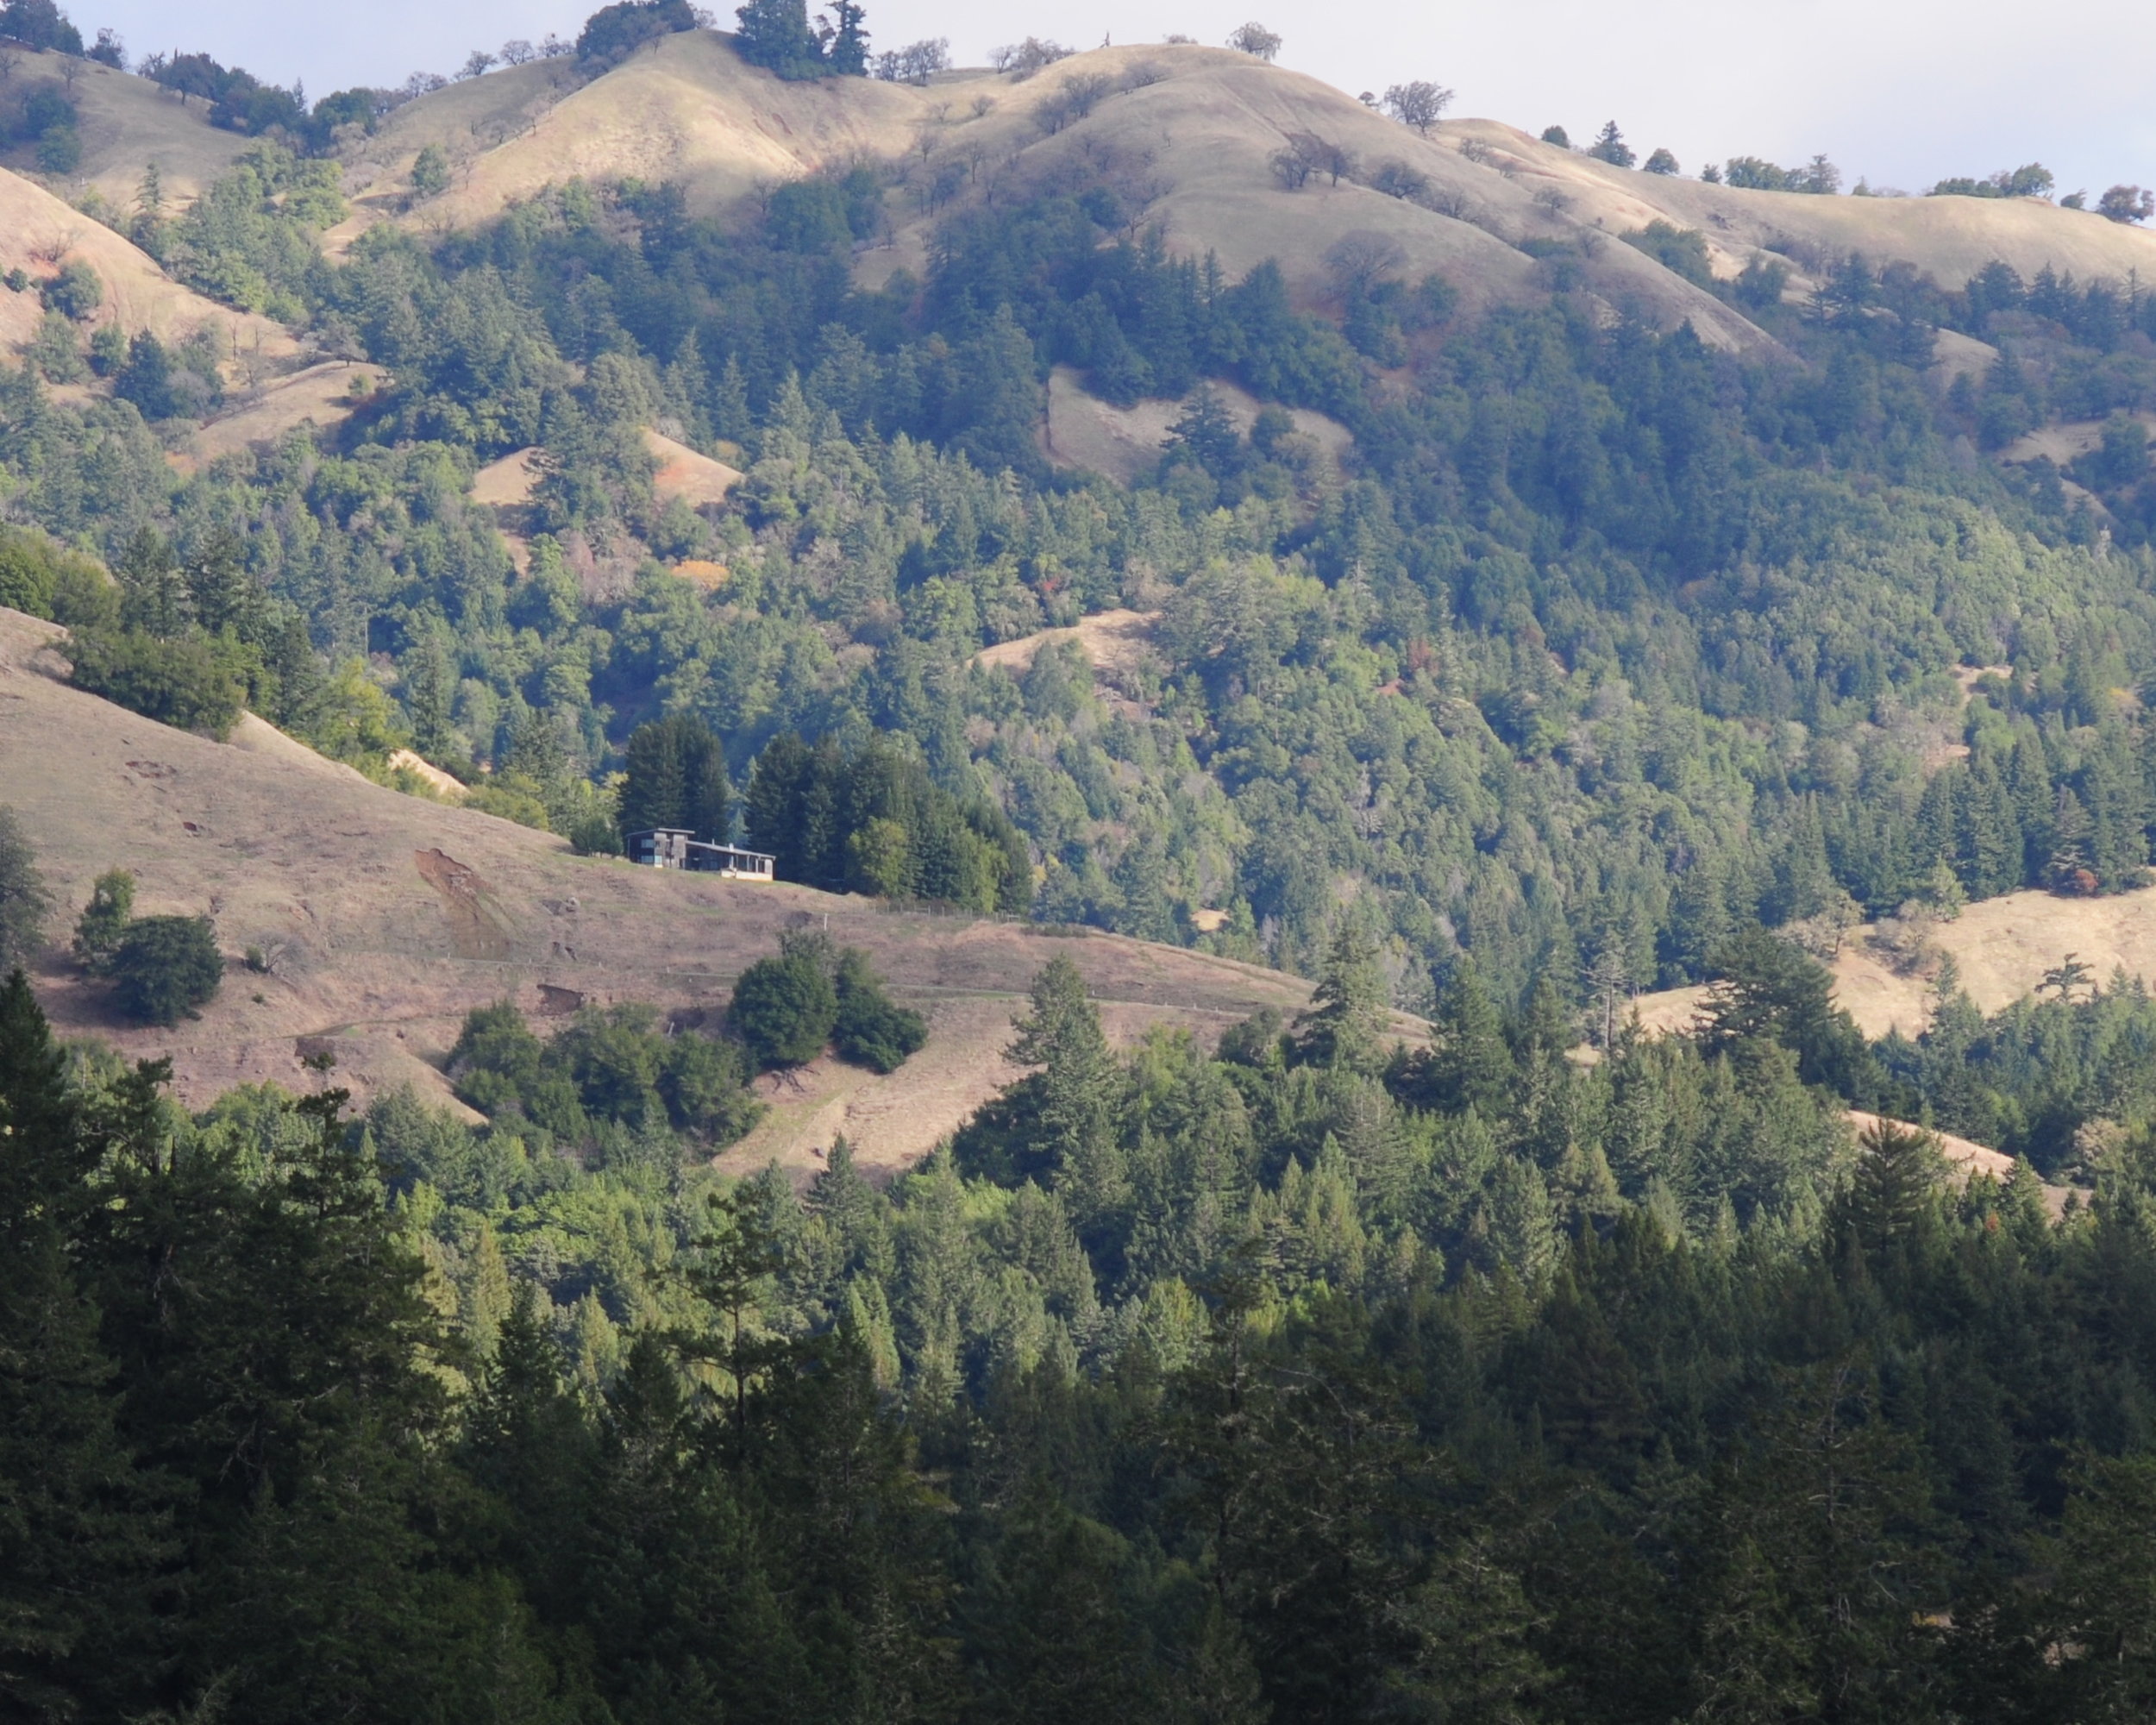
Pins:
x: 1528, y: 1369
x: 1312, y: 1379
x: 1602, y: 644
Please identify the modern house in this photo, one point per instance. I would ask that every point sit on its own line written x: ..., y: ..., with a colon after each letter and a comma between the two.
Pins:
x: 676, y: 847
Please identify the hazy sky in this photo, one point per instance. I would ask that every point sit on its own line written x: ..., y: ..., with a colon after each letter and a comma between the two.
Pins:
x: 1903, y: 92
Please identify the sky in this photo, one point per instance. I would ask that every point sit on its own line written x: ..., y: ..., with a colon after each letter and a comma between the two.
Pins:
x: 1901, y: 92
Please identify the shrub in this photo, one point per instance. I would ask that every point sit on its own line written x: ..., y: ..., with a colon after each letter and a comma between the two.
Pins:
x: 430, y: 172
x: 595, y: 834
x: 195, y: 682
x: 76, y: 291
x: 784, y: 1009
x: 511, y: 796
x: 59, y: 150
x: 167, y: 967
x: 37, y: 577
x: 701, y: 1082
x: 1763, y: 283
x: 104, y: 920
x: 53, y: 352
x: 872, y: 1029
x: 1682, y: 251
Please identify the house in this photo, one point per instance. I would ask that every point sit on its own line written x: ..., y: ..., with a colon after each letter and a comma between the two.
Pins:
x: 676, y: 847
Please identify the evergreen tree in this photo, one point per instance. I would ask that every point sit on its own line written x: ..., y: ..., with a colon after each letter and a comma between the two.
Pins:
x: 1350, y: 1009
x: 78, y: 1534
x: 845, y: 42
x: 1061, y: 1034
x: 675, y: 775
x: 24, y: 903
x: 775, y: 35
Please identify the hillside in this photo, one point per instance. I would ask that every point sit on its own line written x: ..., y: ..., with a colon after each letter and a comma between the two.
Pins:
x: 384, y: 918
x: 1186, y: 133
x: 39, y: 235
x: 2001, y: 947
x: 127, y: 123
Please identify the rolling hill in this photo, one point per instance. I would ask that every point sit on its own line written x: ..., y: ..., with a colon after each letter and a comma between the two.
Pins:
x: 383, y: 919
x: 1187, y: 133
x: 126, y: 124
x: 40, y: 233
x: 1184, y: 133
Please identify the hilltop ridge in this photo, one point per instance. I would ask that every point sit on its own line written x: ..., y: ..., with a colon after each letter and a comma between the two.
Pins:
x: 1184, y: 134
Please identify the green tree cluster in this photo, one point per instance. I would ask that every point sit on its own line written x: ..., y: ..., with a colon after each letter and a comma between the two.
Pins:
x: 873, y: 821
x: 1229, y: 1387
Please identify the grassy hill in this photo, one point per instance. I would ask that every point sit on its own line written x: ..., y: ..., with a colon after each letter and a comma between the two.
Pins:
x: 126, y: 124
x: 39, y: 232
x: 1184, y: 134
x: 1192, y: 129
x: 383, y: 919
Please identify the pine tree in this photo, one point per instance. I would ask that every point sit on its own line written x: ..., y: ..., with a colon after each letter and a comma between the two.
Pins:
x: 1471, y: 1065
x: 676, y: 776
x: 1348, y: 1011
x: 846, y: 42
x: 78, y: 1536
x: 1061, y: 1034
x: 24, y: 903
x: 776, y: 785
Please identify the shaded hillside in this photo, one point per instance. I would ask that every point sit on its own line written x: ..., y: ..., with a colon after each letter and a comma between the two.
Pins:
x: 384, y: 918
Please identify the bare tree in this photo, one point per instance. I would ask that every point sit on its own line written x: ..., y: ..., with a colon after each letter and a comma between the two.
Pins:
x: 518, y: 52
x: 1300, y: 158
x: 1397, y: 179
x: 915, y: 63
x: 1255, y: 40
x: 1338, y: 161
x: 1022, y: 59
x: 1357, y: 261
x: 479, y: 64
x: 1419, y: 104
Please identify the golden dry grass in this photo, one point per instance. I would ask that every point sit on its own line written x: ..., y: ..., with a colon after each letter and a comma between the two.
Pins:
x: 1118, y: 640
x: 39, y: 234
x: 1080, y: 431
x: 695, y: 478
x: 1186, y: 133
x: 386, y: 917
x: 509, y: 482
x: 318, y: 396
x: 687, y: 110
x: 2002, y: 948
x: 128, y: 122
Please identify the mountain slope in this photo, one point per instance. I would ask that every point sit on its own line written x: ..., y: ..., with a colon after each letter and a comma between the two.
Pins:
x: 1186, y: 135
x: 127, y: 123
x: 39, y: 234
x: 383, y: 919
